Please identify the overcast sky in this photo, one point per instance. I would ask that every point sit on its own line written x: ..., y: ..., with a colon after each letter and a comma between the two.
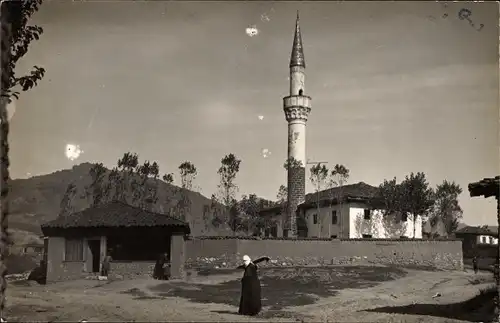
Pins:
x: 396, y: 88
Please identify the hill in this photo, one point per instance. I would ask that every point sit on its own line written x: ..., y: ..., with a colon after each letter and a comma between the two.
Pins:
x: 36, y: 200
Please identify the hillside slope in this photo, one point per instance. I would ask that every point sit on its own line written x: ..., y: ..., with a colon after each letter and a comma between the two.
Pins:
x: 36, y: 200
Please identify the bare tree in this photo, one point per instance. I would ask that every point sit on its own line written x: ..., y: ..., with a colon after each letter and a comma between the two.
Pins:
x: 66, y: 205
x: 318, y: 177
x: 124, y: 176
x: 95, y: 192
x: 338, y: 178
x: 230, y: 166
x: 188, y: 174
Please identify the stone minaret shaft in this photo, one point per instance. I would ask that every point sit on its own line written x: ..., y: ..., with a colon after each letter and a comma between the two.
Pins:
x: 297, y: 107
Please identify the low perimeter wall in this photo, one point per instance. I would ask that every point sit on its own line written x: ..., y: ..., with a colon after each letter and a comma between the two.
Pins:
x: 219, y: 252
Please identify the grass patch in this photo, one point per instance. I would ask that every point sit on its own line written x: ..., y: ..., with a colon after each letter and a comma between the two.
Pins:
x: 283, y: 287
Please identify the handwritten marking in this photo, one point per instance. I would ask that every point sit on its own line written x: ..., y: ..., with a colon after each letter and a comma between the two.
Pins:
x: 463, y: 14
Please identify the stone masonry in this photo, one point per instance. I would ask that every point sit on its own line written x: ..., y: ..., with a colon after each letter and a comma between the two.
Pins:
x: 296, y: 196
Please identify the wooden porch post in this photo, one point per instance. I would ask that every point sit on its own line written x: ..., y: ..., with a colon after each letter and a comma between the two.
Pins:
x: 497, y: 263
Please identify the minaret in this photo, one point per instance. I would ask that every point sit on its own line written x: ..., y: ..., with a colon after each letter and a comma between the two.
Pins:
x: 297, y: 107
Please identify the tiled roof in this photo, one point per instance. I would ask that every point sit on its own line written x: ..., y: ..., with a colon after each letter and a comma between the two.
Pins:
x: 114, y: 214
x: 358, y: 190
x: 486, y: 230
x: 486, y: 187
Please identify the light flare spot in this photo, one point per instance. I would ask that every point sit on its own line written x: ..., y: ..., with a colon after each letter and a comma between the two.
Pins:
x: 72, y: 151
x: 252, y: 31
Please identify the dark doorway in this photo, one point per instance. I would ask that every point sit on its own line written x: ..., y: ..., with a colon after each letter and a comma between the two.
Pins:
x: 95, y: 250
x: 301, y: 92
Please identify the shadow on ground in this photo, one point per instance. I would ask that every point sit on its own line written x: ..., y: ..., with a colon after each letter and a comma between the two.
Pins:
x: 480, y: 308
x: 139, y: 294
x: 283, y: 287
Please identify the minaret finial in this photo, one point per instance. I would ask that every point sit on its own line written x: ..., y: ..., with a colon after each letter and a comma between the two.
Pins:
x: 297, y: 58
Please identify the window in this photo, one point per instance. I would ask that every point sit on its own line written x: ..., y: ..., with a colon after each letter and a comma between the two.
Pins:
x: 301, y: 91
x: 483, y: 239
x: 206, y: 211
x: 315, y: 218
x: 73, y: 250
x: 367, y: 236
x: 367, y: 214
x: 404, y: 217
x: 334, y: 217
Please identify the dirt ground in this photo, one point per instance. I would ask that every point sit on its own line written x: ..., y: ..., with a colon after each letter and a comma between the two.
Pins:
x: 335, y: 294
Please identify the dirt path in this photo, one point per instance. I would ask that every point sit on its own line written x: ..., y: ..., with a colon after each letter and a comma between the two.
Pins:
x: 134, y: 301
x: 416, y: 288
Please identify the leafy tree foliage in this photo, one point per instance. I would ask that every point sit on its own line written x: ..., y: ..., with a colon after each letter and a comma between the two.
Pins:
x: 168, y: 178
x: 446, y: 208
x: 292, y: 163
x: 390, y: 205
x: 411, y: 198
x: 16, y: 35
x: 17, y: 14
x: 417, y: 198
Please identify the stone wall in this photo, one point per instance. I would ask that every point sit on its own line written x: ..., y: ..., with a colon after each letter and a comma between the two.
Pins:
x: 440, y: 254
x: 131, y: 269
x: 210, y: 252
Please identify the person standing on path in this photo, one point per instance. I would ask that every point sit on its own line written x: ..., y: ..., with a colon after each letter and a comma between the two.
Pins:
x: 250, y: 301
x: 106, y: 263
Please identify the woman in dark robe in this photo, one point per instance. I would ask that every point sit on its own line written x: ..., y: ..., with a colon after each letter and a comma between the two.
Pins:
x: 250, y: 301
x: 158, y: 271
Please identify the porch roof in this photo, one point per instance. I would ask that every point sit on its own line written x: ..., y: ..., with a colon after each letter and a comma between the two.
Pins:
x: 486, y: 187
x: 114, y: 215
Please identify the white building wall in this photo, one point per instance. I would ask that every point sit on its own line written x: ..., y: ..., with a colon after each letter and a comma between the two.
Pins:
x: 375, y: 227
x: 486, y: 239
x: 324, y: 228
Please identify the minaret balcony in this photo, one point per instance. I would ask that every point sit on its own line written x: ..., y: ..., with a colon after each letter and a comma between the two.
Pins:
x: 297, y: 107
x: 297, y: 101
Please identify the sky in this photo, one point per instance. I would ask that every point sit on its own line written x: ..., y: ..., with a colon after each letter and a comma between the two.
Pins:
x: 396, y: 87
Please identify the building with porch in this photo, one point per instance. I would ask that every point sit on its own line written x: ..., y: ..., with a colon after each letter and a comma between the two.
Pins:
x: 342, y: 212
x: 481, y: 241
x: 133, y: 237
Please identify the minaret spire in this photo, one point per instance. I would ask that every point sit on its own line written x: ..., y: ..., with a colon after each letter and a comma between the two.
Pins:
x: 297, y: 107
x: 297, y: 58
